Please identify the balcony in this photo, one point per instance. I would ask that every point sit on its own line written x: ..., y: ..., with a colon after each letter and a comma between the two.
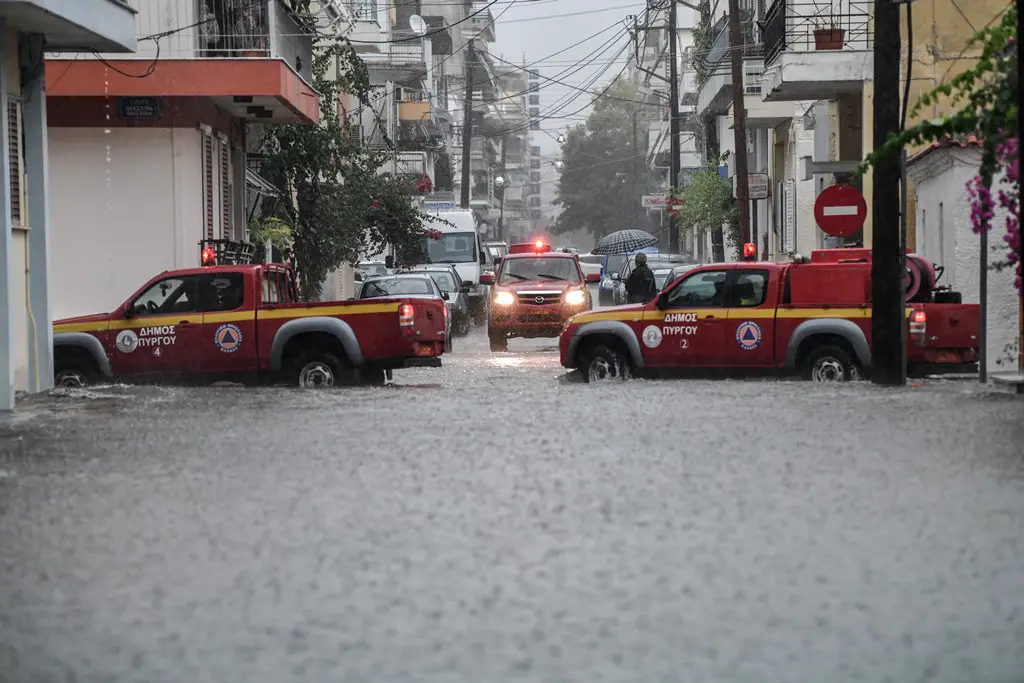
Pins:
x: 816, y: 50
x: 715, y: 95
x: 366, y: 34
x: 480, y: 25
x: 251, y: 59
x: 401, y: 62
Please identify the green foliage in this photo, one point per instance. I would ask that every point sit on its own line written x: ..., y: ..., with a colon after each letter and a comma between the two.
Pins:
x: 986, y: 98
x: 272, y: 230
x: 702, y: 42
x: 708, y: 203
x: 603, y: 175
x: 335, y: 198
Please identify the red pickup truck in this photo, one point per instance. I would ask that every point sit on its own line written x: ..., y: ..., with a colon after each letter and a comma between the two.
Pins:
x: 246, y: 323
x: 811, y: 318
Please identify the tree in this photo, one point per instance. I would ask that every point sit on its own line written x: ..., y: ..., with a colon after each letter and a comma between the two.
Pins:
x: 988, y: 99
x: 336, y: 199
x: 706, y: 204
x: 604, y: 170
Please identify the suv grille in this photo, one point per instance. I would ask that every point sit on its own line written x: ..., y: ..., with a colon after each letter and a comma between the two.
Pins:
x: 539, y: 298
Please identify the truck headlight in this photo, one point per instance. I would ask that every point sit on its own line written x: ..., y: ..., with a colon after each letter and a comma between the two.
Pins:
x: 504, y: 299
x: 575, y: 297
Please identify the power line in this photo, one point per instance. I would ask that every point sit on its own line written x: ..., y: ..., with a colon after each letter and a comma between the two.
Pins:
x: 436, y: 31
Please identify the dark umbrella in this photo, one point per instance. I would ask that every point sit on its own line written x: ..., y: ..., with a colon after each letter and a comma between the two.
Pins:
x: 624, y: 241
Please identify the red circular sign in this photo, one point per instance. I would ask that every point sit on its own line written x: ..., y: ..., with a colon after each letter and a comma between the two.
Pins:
x: 840, y: 210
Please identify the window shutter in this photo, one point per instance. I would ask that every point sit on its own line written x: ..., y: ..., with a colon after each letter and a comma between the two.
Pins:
x: 14, y: 143
x: 208, y: 193
x: 225, y: 189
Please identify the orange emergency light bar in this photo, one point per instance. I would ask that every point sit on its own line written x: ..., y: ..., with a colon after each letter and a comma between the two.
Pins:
x: 749, y: 250
x: 537, y: 247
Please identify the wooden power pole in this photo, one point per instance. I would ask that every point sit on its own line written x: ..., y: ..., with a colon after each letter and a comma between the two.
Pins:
x: 736, y: 50
x: 888, y: 323
x: 467, y: 126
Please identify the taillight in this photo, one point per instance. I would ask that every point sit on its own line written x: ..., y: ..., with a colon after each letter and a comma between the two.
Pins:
x: 405, y: 315
x: 918, y: 326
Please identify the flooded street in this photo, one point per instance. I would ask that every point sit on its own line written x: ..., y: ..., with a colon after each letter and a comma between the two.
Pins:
x: 494, y: 521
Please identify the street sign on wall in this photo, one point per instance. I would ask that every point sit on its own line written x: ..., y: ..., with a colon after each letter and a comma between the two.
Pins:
x: 757, y: 186
x: 653, y: 201
x: 840, y: 210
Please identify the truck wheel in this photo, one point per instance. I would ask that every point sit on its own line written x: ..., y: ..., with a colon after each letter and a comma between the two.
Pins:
x: 601, y: 364
x: 318, y: 370
x: 829, y: 364
x: 373, y: 376
x: 462, y: 325
x: 499, y: 342
x: 73, y: 373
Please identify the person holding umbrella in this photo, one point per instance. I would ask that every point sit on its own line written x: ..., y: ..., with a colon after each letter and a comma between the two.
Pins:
x: 640, y: 285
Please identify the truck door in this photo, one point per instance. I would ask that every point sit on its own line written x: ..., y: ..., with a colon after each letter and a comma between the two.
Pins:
x: 228, y: 345
x: 750, y: 331
x: 159, y: 333
x: 689, y: 330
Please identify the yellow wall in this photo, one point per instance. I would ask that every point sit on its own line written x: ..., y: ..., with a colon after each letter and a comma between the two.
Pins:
x: 942, y: 30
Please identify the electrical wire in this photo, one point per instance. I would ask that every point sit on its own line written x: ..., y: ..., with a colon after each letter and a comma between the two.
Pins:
x: 436, y: 31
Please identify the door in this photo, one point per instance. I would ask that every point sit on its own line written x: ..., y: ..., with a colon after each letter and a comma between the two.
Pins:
x: 228, y: 337
x: 159, y: 332
x: 750, y: 332
x: 690, y: 330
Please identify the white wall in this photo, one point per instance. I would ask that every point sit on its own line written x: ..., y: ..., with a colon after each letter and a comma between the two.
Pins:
x: 940, y: 180
x: 126, y: 205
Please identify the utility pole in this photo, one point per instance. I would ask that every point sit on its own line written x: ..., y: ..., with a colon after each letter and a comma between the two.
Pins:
x: 739, y: 130
x: 888, y: 325
x: 467, y: 125
x: 636, y: 197
x: 673, y: 127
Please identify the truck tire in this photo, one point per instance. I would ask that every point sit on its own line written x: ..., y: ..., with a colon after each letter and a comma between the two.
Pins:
x: 462, y: 325
x: 315, y: 369
x: 73, y: 372
x: 602, y: 363
x: 829, y: 364
x: 499, y: 342
x: 372, y: 376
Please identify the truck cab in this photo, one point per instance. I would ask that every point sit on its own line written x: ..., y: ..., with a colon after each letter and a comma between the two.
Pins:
x: 453, y: 239
x: 811, y: 318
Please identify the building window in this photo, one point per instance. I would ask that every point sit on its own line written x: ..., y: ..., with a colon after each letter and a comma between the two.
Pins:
x: 534, y: 125
x: 535, y: 176
x: 15, y: 160
x: 535, y: 99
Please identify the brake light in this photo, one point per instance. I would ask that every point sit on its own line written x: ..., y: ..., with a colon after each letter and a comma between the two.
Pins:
x: 918, y: 327
x: 405, y: 315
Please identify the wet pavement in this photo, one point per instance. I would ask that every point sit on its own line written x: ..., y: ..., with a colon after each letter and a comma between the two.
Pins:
x: 493, y: 521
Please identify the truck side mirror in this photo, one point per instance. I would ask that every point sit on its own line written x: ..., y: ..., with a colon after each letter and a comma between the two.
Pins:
x: 662, y: 301
x: 444, y: 295
x: 467, y: 287
x: 614, y: 276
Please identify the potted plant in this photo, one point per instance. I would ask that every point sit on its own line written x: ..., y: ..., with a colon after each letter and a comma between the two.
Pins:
x: 827, y: 33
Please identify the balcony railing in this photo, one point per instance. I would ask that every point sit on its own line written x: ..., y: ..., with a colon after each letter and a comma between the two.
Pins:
x: 718, y: 56
x: 809, y: 26
x: 362, y: 10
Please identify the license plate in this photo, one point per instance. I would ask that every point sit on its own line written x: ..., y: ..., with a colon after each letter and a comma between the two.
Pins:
x: 948, y: 357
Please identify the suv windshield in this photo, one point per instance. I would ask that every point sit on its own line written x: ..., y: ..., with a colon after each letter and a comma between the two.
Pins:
x: 397, y: 286
x: 453, y: 247
x: 539, y: 269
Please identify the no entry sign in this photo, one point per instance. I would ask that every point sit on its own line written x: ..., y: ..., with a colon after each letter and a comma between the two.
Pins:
x: 840, y: 210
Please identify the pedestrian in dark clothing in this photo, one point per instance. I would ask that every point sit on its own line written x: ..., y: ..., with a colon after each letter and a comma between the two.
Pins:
x: 640, y: 285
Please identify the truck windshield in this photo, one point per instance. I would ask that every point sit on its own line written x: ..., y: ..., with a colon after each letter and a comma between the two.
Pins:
x: 453, y: 247
x: 536, y: 269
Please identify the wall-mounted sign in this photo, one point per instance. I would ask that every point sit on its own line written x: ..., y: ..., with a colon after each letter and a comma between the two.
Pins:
x: 138, y: 108
x: 653, y: 201
x: 757, y: 185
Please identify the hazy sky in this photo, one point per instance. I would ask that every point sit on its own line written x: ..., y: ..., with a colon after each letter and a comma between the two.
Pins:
x: 535, y: 29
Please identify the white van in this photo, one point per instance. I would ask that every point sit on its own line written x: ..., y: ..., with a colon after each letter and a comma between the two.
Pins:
x: 460, y: 246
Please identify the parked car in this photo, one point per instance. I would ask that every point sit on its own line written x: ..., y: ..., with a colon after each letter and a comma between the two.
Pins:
x: 368, y: 269
x: 592, y: 263
x: 654, y: 262
x: 448, y: 280
x: 420, y: 285
x: 609, y: 271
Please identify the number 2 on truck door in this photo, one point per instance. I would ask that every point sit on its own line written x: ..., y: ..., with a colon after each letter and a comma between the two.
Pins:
x: 689, y: 330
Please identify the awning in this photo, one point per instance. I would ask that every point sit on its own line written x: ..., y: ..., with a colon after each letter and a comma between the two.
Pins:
x: 260, y: 184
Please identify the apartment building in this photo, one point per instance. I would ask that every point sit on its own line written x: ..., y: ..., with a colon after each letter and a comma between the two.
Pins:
x: 28, y: 270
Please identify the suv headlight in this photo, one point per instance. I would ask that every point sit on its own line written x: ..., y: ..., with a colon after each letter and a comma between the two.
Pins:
x: 575, y: 297
x: 504, y: 299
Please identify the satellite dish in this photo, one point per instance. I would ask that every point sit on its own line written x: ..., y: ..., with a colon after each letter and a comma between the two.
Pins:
x: 418, y: 26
